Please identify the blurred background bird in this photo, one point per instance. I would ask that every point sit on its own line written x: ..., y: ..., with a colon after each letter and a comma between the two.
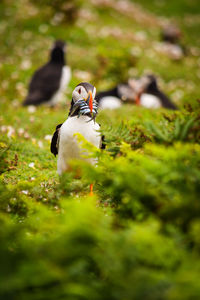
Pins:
x: 50, y: 81
x: 171, y: 42
x: 143, y: 91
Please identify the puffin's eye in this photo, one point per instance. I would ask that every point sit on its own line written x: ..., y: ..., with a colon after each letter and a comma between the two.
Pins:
x: 79, y: 91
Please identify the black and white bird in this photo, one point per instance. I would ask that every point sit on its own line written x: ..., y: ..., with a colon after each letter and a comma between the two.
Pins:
x: 170, y: 36
x: 148, y: 93
x: 49, y: 82
x: 143, y: 91
x: 115, y: 97
x: 81, y: 119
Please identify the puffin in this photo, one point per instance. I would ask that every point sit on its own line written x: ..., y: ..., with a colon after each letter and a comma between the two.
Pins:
x: 49, y: 82
x: 143, y: 91
x: 171, y: 34
x: 149, y: 94
x: 81, y: 119
x: 170, y: 37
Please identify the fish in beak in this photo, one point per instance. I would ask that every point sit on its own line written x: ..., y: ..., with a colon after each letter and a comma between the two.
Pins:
x: 85, y: 106
x: 89, y: 101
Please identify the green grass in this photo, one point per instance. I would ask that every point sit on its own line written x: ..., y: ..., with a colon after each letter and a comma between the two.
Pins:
x: 138, y: 237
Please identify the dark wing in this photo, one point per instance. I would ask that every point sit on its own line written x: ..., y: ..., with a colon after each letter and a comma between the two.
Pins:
x: 44, y: 84
x: 103, y: 144
x: 55, y: 140
x: 166, y: 102
x: 113, y: 92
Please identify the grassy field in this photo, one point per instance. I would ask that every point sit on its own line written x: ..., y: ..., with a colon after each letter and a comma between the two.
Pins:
x: 138, y: 237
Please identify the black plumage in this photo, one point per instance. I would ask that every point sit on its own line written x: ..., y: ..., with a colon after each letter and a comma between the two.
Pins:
x: 46, y: 80
x: 153, y: 89
x: 54, y: 141
x: 112, y: 92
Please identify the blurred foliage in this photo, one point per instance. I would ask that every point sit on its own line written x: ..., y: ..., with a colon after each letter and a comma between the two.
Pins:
x: 3, y: 154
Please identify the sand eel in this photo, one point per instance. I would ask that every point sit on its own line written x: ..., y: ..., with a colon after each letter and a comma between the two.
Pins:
x: 81, y: 119
x: 49, y: 82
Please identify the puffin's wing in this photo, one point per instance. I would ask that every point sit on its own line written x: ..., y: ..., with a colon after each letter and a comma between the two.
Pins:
x: 44, y: 84
x: 166, y: 102
x: 103, y: 144
x: 55, y: 140
x: 113, y: 92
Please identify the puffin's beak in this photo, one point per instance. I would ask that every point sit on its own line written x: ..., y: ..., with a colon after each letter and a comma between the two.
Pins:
x: 137, y: 99
x: 89, y: 100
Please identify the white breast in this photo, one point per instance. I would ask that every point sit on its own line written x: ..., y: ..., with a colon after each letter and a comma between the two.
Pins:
x: 69, y: 148
x: 110, y: 102
x: 65, y: 77
x: 149, y: 101
x: 64, y: 81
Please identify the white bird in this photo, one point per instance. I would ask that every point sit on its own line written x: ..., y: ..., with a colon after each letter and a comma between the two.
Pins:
x: 81, y: 119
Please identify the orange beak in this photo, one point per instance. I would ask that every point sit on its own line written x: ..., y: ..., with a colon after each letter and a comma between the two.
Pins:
x: 137, y: 99
x: 90, y: 99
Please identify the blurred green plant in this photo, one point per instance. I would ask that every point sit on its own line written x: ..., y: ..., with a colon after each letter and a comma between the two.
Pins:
x: 179, y: 130
x: 3, y: 154
x: 157, y: 180
x: 79, y: 253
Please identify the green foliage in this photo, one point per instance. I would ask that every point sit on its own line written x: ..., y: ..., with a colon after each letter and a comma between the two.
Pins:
x: 3, y: 154
x: 115, y: 135
x: 157, y: 180
x: 78, y: 254
x: 182, y: 128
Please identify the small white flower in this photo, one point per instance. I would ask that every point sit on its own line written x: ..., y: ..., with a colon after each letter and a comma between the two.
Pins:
x: 21, y: 131
x: 32, y: 165
x: 43, y: 28
x: 11, y: 131
x: 31, y: 109
x: 136, y: 51
x: 25, y: 192
x: 25, y: 64
x: 8, y: 208
x: 40, y: 144
x: 26, y: 135
x: 3, y: 128
x: 48, y: 137
x: 141, y: 36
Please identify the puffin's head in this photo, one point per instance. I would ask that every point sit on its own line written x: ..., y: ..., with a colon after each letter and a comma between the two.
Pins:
x: 58, y: 51
x: 143, y: 84
x: 83, y: 90
x: 83, y: 99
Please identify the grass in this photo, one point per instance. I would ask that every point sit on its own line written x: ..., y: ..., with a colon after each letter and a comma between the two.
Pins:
x: 141, y: 228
